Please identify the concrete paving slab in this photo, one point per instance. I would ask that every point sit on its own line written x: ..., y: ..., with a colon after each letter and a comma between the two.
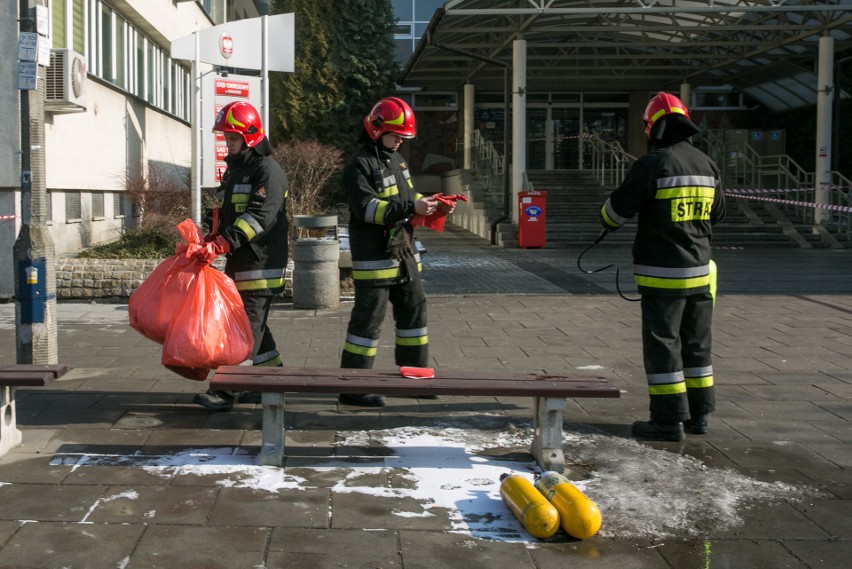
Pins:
x: 728, y: 553
x: 439, y: 550
x: 307, y: 508
x: 211, y: 547
x: 595, y: 553
x: 301, y: 548
x: 59, y: 545
x: 825, y: 554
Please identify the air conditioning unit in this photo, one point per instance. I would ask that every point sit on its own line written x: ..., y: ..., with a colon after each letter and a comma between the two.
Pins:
x: 65, y: 84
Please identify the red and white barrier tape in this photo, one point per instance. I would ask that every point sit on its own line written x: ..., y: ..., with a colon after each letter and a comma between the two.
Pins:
x: 777, y: 191
x: 5, y: 217
x: 830, y: 207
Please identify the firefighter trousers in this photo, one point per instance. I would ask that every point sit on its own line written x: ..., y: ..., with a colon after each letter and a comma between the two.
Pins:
x: 368, y: 314
x: 264, y: 352
x: 677, y: 344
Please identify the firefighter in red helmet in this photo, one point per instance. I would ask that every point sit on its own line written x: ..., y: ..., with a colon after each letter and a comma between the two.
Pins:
x: 252, y: 232
x: 676, y: 192
x: 385, y: 263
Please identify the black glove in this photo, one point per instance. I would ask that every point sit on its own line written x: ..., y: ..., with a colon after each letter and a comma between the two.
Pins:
x: 399, y: 243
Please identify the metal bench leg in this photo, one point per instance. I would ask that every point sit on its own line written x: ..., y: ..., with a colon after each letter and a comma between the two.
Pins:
x: 272, y: 445
x: 547, y: 437
x: 10, y: 436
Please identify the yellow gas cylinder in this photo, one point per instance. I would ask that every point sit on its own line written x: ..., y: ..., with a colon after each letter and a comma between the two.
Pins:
x: 537, y: 515
x: 580, y: 517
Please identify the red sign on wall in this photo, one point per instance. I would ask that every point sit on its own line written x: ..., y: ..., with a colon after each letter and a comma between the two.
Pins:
x: 231, y: 88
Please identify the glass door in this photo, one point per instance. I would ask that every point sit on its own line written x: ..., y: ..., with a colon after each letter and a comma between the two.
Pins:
x: 566, y: 138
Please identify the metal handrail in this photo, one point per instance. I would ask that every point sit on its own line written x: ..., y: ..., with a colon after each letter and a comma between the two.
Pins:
x: 782, y: 179
x: 609, y: 160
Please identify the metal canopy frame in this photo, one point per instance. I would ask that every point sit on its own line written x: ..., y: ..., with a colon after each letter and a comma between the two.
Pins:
x: 766, y: 48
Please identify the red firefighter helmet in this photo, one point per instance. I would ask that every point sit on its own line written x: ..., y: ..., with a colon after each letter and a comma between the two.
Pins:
x: 241, y: 118
x: 390, y: 114
x: 660, y: 105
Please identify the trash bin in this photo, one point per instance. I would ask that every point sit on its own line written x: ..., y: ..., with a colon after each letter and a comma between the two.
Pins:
x: 532, y: 227
x: 316, y: 275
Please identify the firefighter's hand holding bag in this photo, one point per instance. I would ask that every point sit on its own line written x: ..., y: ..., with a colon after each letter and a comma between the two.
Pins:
x: 192, y: 309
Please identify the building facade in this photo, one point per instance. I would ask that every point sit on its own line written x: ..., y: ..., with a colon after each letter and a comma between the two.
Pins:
x: 117, y: 110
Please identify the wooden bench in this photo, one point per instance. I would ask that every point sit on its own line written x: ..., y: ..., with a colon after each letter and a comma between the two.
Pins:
x: 549, y: 391
x: 20, y: 375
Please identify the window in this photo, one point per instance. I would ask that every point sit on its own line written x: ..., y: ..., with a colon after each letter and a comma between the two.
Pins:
x: 48, y: 202
x: 73, y: 206
x: 412, y: 19
x: 119, y: 53
x: 168, y: 101
x: 57, y: 28
x: 149, y: 68
x: 139, y: 86
x: 118, y: 204
x: 97, y: 205
x: 105, y: 49
x: 78, y: 27
x: 425, y: 9
x: 403, y: 9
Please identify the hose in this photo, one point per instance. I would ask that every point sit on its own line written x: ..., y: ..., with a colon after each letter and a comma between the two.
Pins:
x: 604, y: 233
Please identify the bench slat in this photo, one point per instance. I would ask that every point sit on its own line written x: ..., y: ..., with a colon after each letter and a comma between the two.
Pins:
x: 56, y: 370
x: 315, y: 380
x: 378, y: 374
x: 25, y: 378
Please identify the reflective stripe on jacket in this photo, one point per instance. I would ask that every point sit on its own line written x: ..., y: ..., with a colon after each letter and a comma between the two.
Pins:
x: 253, y: 219
x: 381, y: 193
x: 677, y: 195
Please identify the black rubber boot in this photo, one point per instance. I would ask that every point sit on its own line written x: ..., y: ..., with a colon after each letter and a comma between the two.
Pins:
x: 697, y: 425
x: 215, y: 400
x: 655, y: 431
x: 368, y: 400
x: 249, y: 397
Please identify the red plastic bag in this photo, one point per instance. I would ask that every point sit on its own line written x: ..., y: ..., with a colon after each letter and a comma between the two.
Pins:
x: 435, y: 221
x: 193, y: 310
x: 154, y: 303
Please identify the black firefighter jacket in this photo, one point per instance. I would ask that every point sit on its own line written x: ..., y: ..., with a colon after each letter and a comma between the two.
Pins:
x: 253, y: 219
x: 677, y: 194
x: 381, y: 195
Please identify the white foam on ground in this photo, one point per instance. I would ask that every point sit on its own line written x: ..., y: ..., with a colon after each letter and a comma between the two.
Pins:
x: 642, y: 492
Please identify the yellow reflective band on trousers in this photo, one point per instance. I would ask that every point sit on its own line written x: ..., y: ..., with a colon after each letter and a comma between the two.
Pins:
x: 360, y: 350
x: 667, y: 389
x: 260, y: 284
x: 375, y: 275
x: 418, y: 341
x: 274, y: 362
x: 378, y: 274
x: 657, y: 282
x: 698, y: 382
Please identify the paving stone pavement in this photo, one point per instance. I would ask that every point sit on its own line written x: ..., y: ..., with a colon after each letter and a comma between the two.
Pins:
x: 80, y: 491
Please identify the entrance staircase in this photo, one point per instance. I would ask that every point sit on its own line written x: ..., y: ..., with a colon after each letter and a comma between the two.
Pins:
x: 574, y: 199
